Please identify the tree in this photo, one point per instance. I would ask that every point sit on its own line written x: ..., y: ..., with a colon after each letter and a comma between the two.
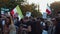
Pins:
x: 12, y: 4
x: 30, y: 8
x: 55, y: 8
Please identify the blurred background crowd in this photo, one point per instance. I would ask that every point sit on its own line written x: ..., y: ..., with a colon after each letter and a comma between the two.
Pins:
x: 29, y: 25
x: 29, y: 16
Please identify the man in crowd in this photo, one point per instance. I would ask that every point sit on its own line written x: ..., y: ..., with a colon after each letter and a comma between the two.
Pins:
x: 58, y: 24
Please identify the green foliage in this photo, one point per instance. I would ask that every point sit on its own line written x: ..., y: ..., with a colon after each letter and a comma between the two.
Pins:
x: 31, y: 8
x: 35, y: 13
x: 56, y: 8
x: 24, y: 8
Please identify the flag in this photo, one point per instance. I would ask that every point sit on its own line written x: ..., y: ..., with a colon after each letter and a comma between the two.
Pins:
x: 17, y: 12
x: 48, y: 10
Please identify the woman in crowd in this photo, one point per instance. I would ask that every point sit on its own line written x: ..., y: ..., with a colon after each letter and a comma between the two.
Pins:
x: 54, y: 25
x: 25, y: 26
x: 6, y: 26
x: 39, y: 26
x: 57, y: 29
x: 48, y: 27
x: 12, y: 27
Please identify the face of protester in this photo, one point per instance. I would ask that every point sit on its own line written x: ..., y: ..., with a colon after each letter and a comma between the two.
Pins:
x: 25, y: 20
x: 38, y: 20
x: 2, y: 16
x: 7, y: 20
x: 54, y: 21
x: 59, y: 15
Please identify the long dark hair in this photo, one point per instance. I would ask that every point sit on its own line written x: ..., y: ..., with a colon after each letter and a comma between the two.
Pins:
x: 9, y: 21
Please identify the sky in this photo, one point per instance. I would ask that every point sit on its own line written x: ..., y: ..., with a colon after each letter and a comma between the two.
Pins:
x: 42, y: 4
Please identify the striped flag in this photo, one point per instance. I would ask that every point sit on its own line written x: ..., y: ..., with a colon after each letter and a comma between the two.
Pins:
x: 48, y: 10
x: 17, y: 12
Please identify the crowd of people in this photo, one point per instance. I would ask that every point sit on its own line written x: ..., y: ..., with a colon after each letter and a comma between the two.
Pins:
x: 29, y: 25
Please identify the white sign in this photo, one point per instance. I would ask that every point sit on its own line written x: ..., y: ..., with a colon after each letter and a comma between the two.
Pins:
x: 44, y: 15
x: 28, y: 14
x: 2, y: 12
x: 4, y: 9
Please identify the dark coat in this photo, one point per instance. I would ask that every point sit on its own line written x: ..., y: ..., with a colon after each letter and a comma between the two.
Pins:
x: 36, y: 28
x: 57, y: 29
